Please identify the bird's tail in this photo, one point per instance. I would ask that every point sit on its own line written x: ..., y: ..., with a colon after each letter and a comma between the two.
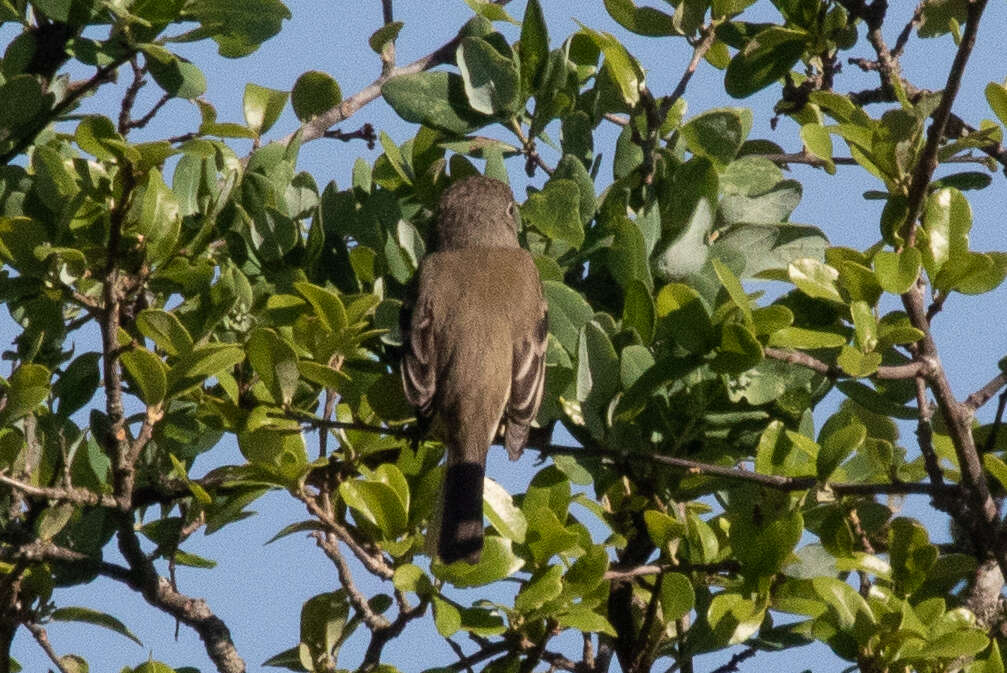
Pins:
x: 461, y: 534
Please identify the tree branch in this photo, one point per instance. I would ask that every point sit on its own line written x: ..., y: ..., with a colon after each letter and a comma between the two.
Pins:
x: 986, y: 393
x: 330, y: 545
x: 71, y: 494
x: 74, y: 93
x: 927, y: 163
x: 316, y: 128
x: 193, y: 612
x: 42, y: 638
x: 889, y: 372
x: 773, y: 481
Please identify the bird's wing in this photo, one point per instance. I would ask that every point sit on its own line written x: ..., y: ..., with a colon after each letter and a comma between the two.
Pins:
x: 527, y: 383
x: 419, y: 364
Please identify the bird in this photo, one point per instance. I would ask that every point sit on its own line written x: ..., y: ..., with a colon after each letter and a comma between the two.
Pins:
x: 474, y: 341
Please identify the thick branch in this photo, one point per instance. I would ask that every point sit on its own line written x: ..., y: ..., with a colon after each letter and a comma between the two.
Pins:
x: 193, y: 612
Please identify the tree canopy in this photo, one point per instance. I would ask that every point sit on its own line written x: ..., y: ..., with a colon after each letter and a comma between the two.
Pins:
x: 724, y: 459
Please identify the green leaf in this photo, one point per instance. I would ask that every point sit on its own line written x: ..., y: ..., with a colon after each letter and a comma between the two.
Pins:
x: 734, y: 619
x: 384, y: 36
x: 640, y: 20
x: 165, y: 330
x: 203, y: 361
x: 718, y: 134
x: 865, y: 324
x: 837, y: 445
x: 238, y: 26
x: 911, y: 555
x: 947, y: 220
x: 897, y: 271
x: 492, y: 80
x: 97, y: 136
x: 378, y: 503
x: 801, y: 338
x: 582, y: 617
x: 554, y: 211
x: 499, y: 508
x: 996, y: 96
x: 766, y: 58
x: 815, y: 279
x: 963, y: 643
x: 323, y: 625
x: 21, y: 101
x: 327, y: 304
x: 627, y: 255
x: 27, y: 388
x: 148, y: 373
x: 621, y: 66
x: 434, y: 98
x: 89, y: 616
x: 19, y: 238
x: 739, y: 350
x: 678, y: 598
x: 857, y: 363
x: 156, y: 218
x: 683, y: 315
x: 278, y: 450
x: 177, y: 76
x: 818, y: 141
x: 496, y: 562
x: 78, y: 383
x: 52, y: 520
x: 568, y: 313
x: 533, y: 46
x: 489, y: 10
x: 316, y: 92
x: 447, y: 618
x: 544, y: 586
x: 597, y: 374
x: 638, y: 310
x: 734, y: 289
x: 262, y: 107
x: 275, y: 361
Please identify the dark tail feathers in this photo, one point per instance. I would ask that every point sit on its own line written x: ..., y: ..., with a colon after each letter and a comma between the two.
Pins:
x: 461, y: 536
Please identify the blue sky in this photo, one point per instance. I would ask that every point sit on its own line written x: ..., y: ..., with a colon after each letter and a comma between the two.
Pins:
x: 258, y: 591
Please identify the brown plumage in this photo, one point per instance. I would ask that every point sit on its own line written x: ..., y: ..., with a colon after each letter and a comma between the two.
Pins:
x: 475, y: 347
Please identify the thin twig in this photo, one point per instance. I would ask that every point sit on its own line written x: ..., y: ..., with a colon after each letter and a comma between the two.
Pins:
x: 374, y: 563
x: 42, y: 638
x: 69, y: 494
x: 887, y: 372
x: 129, y: 97
x: 986, y: 393
x: 773, y: 481
x: 709, y: 36
x: 991, y: 441
x: 316, y: 128
x: 927, y: 163
x: 900, y: 43
x: 330, y: 545
x: 732, y: 665
x: 145, y: 119
x: 74, y: 93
